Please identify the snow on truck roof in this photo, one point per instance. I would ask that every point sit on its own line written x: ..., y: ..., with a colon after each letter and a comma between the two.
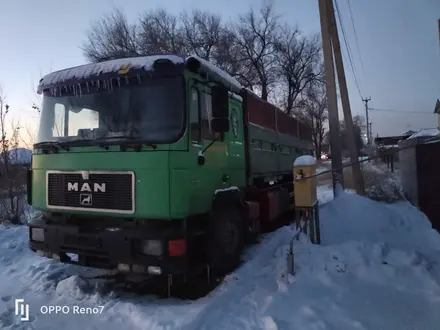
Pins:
x: 92, y: 69
x: 142, y: 62
x: 218, y: 74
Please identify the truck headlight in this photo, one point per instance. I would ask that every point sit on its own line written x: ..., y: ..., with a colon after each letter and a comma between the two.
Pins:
x: 37, y: 234
x: 151, y: 247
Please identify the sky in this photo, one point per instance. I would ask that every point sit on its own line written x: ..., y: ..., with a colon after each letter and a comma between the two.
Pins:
x: 398, y: 65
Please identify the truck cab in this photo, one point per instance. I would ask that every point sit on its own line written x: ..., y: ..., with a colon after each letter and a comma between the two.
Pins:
x: 144, y: 164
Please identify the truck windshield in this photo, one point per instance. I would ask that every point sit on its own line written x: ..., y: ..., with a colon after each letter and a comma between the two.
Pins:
x: 152, y: 112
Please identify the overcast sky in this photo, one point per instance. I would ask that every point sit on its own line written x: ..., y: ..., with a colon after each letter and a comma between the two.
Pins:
x: 399, y: 66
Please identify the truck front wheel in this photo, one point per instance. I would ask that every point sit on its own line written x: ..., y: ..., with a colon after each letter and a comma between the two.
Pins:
x: 225, y: 238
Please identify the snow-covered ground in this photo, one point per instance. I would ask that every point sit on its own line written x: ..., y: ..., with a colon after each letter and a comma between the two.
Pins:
x: 378, y: 268
x: 321, y: 169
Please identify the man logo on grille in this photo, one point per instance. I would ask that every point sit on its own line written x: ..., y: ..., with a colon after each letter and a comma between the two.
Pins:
x: 85, y: 199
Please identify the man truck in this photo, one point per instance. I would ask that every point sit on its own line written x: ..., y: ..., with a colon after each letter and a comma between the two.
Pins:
x: 159, y: 165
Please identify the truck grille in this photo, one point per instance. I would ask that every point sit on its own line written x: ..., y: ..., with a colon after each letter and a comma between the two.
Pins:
x: 102, y: 191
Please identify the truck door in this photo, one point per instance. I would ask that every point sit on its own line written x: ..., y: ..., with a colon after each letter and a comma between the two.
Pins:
x: 205, y: 176
x: 236, y: 151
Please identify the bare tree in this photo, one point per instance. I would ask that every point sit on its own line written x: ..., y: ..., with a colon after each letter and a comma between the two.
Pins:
x: 4, y: 142
x: 208, y: 38
x: 314, y: 114
x: 359, y: 129
x: 256, y: 36
x: 36, y: 100
x: 111, y: 37
x: 160, y: 32
x: 203, y: 32
x: 298, y: 64
x: 227, y: 56
x: 31, y: 136
x: 12, y: 174
x: 254, y: 48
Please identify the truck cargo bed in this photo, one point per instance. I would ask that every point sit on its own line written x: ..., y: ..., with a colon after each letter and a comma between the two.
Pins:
x: 273, y: 139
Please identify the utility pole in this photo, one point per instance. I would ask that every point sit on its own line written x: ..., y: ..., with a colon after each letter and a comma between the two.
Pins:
x: 371, y: 132
x: 332, y: 103
x: 354, y: 155
x: 438, y: 24
x: 366, y: 115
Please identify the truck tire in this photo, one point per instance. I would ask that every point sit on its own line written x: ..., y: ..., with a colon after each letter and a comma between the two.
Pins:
x: 225, y: 238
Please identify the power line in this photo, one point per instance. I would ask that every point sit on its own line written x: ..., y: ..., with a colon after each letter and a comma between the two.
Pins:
x: 356, y: 36
x: 402, y: 111
x: 347, y: 46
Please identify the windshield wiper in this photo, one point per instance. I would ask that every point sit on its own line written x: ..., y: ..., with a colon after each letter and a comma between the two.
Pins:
x: 118, y: 137
x: 55, y: 146
x: 125, y: 142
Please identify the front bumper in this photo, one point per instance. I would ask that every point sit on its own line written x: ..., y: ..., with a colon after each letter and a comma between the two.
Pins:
x: 107, y: 248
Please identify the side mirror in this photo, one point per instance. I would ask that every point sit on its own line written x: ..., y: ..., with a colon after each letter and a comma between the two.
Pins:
x: 220, y: 102
x: 220, y: 125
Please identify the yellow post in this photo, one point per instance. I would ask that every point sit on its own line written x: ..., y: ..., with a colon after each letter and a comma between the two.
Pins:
x: 304, y: 189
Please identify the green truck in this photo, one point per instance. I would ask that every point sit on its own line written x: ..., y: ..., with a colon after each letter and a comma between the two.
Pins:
x: 159, y: 165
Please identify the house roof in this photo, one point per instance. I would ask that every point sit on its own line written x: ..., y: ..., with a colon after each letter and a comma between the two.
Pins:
x: 390, y: 140
x: 425, y: 132
x: 409, y: 133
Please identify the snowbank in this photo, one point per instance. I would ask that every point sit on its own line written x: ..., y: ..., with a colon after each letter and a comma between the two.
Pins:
x: 305, y: 160
x: 381, y: 184
x: 355, y: 218
x: 321, y: 169
x: 324, y: 194
x: 358, y: 285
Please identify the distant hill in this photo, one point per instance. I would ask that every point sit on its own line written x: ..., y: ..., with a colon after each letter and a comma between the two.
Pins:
x: 20, y: 156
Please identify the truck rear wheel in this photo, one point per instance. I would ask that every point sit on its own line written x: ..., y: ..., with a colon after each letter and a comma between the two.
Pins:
x: 225, y: 238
